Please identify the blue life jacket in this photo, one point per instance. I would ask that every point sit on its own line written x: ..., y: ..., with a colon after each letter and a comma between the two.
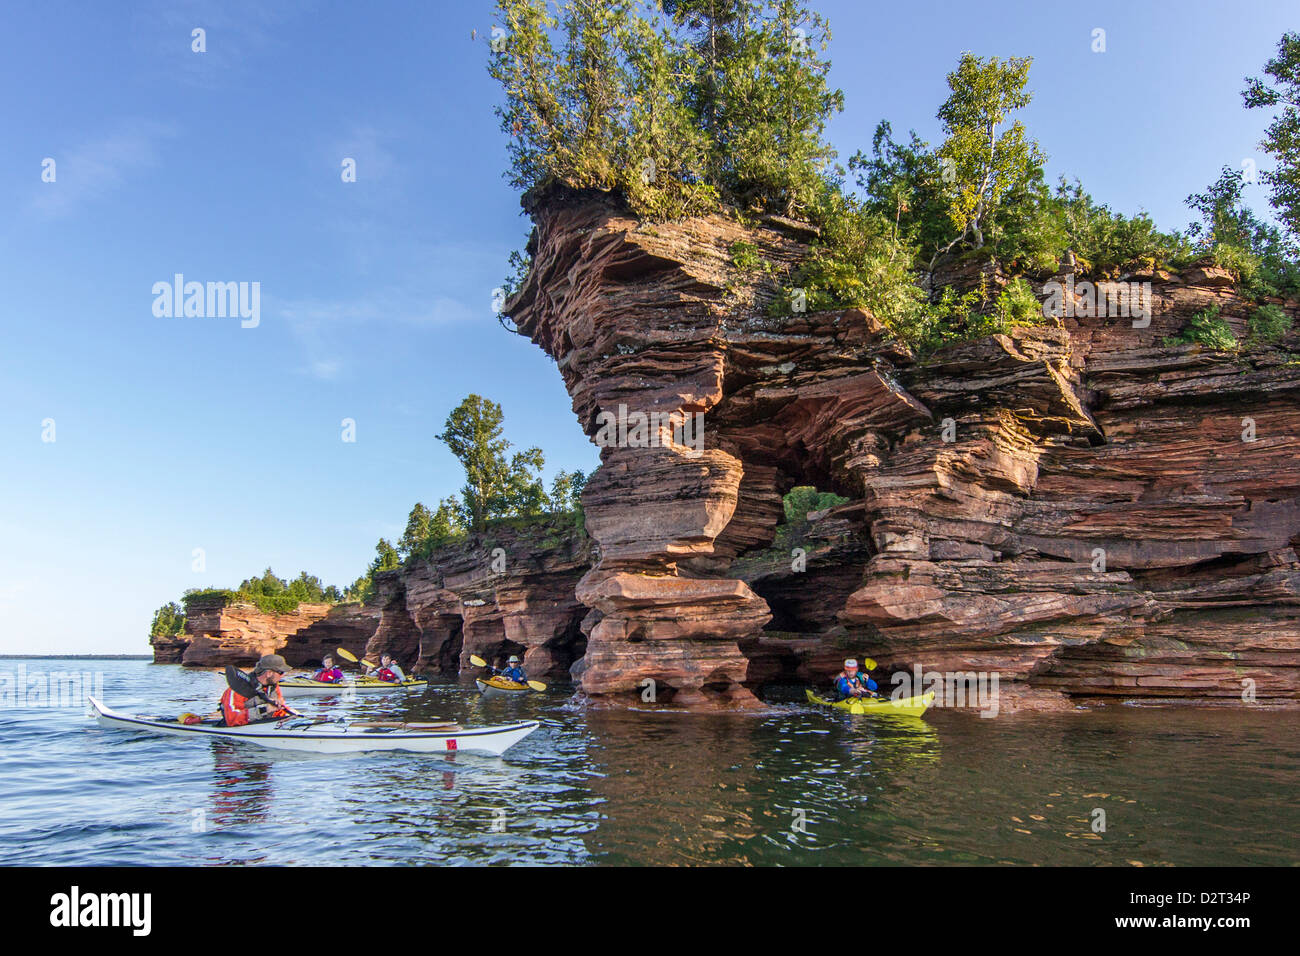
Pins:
x: 515, y: 674
x: 845, y: 684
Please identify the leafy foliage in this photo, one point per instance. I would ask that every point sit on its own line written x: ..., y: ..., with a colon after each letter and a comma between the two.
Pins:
x: 269, y: 593
x: 168, y: 620
x: 981, y: 164
x: 686, y: 105
x: 495, y: 486
x: 1205, y: 328
x: 1268, y: 325
x: 805, y: 498
x: 677, y: 106
x: 1234, y: 238
x: 1281, y: 91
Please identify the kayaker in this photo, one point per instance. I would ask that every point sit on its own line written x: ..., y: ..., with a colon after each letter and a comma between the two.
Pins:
x: 329, y: 673
x: 514, y: 671
x: 268, y: 701
x: 851, y: 683
x: 388, y: 670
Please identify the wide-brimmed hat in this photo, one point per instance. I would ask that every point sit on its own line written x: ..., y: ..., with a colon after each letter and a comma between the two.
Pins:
x: 271, y: 662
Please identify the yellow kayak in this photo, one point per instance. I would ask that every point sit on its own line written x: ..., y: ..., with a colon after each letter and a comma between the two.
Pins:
x: 305, y: 686
x: 500, y: 685
x: 907, y: 706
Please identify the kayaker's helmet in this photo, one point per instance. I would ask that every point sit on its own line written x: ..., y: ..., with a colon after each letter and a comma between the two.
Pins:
x: 850, y: 665
x: 513, y: 659
x: 271, y: 662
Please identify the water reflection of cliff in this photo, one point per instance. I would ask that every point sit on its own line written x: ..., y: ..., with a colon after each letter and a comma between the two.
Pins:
x: 681, y: 789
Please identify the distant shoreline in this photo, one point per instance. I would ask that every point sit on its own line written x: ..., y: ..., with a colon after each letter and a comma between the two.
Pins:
x: 76, y: 657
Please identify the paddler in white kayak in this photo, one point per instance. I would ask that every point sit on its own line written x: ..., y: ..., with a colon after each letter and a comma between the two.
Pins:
x: 388, y: 670
x: 248, y: 702
x: 852, y: 683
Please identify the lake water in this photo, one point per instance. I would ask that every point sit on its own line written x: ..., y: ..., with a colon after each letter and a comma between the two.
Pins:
x: 793, y: 786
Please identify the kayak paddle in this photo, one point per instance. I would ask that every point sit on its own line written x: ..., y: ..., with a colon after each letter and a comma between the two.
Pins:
x: 347, y: 655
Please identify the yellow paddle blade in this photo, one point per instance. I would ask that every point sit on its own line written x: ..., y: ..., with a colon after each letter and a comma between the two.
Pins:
x: 477, y: 661
x: 536, y: 685
x: 347, y: 655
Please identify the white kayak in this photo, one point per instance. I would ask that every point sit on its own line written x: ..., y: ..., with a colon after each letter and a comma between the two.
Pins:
x: 305, y: 687
x: 333, y: 737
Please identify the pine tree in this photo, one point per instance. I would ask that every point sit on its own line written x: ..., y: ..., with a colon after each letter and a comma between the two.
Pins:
x: 417, y: 529
x: 494, y: 485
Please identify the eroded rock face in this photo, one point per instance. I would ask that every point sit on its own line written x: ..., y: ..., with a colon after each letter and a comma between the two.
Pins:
x: 1071, y: 505
x: 505, y: 591
x: 217, y: 634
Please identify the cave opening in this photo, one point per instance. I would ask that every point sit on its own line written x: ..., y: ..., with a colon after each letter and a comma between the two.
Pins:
x: 806, y: 576
x: 450, y: 648
x: 569, y: 646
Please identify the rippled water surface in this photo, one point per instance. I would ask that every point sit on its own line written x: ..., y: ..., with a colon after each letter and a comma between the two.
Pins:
x: 794, y: 786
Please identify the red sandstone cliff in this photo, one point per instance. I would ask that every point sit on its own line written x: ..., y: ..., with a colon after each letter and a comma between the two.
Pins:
x: 1073, y: 445
x: 509, y: 590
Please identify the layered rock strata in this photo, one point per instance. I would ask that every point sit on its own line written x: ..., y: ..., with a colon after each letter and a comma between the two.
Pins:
x: 1076, y: 506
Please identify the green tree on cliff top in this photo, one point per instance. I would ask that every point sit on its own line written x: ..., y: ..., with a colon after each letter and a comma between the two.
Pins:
x: 417, y: 529
x: 1281, y: 91
x: 983, y: 158
x: 495, y: 486
x: 674, y: 105
x: 168, y: 620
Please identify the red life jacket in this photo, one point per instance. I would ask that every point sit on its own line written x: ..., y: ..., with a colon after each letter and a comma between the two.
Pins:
x: 385, y: 674
x: 328, y: 676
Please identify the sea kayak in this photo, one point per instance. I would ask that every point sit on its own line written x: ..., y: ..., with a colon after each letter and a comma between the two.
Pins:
x: 306, y: 687
x: 495, y: 686
x: 313, y: 735
x: 906, y: 706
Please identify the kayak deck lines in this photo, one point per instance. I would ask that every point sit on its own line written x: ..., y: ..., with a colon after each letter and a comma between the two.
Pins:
x: 331, y: 737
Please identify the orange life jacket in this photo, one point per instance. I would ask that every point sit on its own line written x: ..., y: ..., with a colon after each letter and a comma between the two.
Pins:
x: 235, y: 709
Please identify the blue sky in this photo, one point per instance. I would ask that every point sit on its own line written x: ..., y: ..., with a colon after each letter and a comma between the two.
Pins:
x: 179, y: 433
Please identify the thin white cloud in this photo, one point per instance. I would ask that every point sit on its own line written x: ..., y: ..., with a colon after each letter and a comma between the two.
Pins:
x: 93, y: 169
x: 236, y: 31
x: 364, y: 145
x: 318, y: 323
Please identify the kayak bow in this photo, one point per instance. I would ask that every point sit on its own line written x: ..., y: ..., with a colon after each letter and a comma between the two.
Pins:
x: 310, y: 736
x: 907, y: 706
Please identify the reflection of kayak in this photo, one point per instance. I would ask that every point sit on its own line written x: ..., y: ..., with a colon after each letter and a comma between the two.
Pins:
x: 907, y: 706
x: 495, y: 686
x: 316, y: 736
x: 305, y: 686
